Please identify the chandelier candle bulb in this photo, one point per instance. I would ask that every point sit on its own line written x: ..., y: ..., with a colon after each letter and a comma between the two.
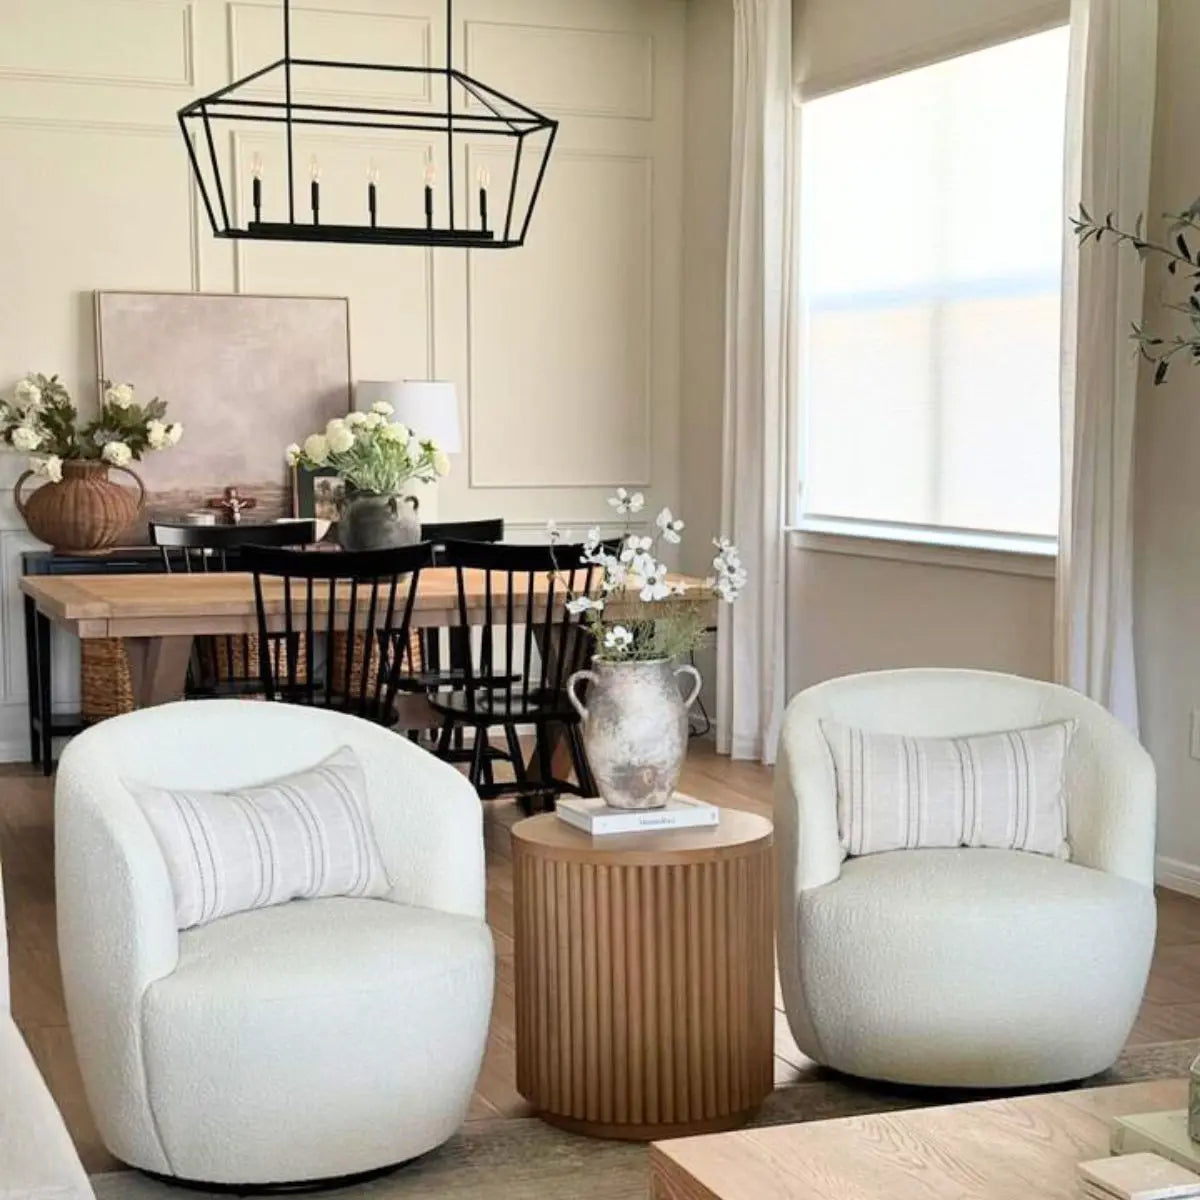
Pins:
x: 485, y: 179
x: 430, y: 180
x: 256, y: 185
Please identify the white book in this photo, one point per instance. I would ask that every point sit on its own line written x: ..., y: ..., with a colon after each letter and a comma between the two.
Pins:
x: 595, y: 817
x: 1138, y: 1176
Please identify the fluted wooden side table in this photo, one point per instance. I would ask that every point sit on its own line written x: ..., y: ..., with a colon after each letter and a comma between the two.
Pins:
x: 644, y: 976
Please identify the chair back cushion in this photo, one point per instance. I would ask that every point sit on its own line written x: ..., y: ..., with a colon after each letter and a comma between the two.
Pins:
x: 299, y: 837
x: 999, y: 790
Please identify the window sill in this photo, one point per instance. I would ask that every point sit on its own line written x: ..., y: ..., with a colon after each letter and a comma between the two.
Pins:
x: 971, y: 550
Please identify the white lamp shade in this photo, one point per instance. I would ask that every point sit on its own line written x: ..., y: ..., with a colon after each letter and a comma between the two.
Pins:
x: 428, y: 407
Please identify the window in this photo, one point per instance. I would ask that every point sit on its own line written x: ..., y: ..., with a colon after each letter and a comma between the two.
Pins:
x: 931, y: 234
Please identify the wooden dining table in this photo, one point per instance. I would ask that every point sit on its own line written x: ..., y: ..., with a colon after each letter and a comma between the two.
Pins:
x: 157, y: 616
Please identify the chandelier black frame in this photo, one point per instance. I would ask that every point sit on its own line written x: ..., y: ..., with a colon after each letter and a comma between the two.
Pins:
x: 514, y: 123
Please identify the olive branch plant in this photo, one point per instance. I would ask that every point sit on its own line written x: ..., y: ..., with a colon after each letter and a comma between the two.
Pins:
x: 1182, y: 260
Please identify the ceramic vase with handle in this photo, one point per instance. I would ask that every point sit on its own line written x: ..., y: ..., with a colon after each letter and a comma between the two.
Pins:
x: 634, y: 728
x: 369, y: 521
x: 85, y: 512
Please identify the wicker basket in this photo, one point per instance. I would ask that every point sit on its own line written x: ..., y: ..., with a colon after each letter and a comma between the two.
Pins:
x: 106, y: 683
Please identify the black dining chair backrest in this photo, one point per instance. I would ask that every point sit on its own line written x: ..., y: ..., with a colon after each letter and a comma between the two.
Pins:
x: 357, y: 604
x: 440, y: 532
x: 206, y: 547
x: 518, y: 599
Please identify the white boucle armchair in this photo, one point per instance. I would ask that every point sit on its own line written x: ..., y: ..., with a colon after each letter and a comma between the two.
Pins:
x: 312, y: 1040
x: 964, y: 967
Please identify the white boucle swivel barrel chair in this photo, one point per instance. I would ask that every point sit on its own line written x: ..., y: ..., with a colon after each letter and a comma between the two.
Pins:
x: 964, y: 967
x: 312, y: 1040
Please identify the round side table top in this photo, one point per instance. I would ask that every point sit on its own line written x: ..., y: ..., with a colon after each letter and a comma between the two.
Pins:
x: 548, y: 836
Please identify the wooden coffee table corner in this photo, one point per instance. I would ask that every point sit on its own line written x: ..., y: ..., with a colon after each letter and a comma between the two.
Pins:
x: 1021, y: 1148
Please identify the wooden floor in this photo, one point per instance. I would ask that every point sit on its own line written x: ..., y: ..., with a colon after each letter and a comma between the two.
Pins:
x: 1171, y: 1010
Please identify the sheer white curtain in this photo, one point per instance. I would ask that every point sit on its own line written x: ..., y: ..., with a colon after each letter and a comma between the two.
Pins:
x: 1109, y: 124
x: 759, y: 297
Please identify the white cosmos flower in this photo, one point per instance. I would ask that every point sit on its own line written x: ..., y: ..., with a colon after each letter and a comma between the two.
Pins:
x: 382, y: 408
x: 633, y: 547
x: 174, y: 433
x: 618, y: 638
x: 441, y: 463
x: 582, y: 604
x: 316, y: 449
x: 120, y: 396
x: 117, y: 453
x: 671, y: 526
x: 654, y: 584
x: 625, y: 502
x: 27, y: 394
x: 156, y: 434
x: 292, y: 454
x: 25, y: 438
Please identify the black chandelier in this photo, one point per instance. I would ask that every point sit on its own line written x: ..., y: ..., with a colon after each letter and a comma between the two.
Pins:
x: 484, y: 122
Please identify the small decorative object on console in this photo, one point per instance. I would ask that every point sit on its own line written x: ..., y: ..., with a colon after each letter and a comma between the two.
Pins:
x: 597, y: 818
x: 377, y: 457
x: 232, y: 504
x: 634, y: 720
x: 79, y: 510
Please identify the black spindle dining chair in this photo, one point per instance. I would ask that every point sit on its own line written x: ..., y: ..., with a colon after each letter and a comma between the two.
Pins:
x: 222, y: 666
x: 334, y: 633
x: 517, y: 667
x: 436, y: 667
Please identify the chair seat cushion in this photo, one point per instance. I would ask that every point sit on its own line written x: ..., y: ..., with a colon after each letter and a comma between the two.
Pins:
x: 321, y: 1028
x: 972, y: 966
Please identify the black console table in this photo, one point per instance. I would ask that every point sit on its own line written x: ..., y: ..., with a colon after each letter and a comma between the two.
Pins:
x: 44, y: 725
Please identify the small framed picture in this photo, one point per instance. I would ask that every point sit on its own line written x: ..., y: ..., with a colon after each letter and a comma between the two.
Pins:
x: 317, y: 494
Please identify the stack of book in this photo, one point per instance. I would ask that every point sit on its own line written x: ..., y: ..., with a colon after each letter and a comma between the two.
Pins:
x: 595, y: 817
x: 1141, y: 1176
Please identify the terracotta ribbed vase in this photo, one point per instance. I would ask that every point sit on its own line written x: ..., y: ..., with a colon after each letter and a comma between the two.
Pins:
x: 85, y: 513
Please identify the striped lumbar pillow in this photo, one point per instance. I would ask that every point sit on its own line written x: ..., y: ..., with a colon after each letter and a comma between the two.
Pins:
x: 300, y: 837
x: 1001, y: 790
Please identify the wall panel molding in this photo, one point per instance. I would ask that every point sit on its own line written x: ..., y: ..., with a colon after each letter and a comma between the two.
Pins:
x: 42, y: 45
x: 619, y: 84
x: 414, y: 89
x: 525, y: 474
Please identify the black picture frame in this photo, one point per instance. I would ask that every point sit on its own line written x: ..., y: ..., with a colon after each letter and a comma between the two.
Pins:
x: 312, y: 497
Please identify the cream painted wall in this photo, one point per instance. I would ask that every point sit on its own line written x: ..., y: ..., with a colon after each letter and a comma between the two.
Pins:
x: 566, y: 353
x: 850, y: 613
x: 1167, y: 488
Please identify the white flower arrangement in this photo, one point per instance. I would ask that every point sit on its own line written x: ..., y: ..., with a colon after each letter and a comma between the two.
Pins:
x: 632, y: 580
x: 371, y: 452
x: 40, y: 419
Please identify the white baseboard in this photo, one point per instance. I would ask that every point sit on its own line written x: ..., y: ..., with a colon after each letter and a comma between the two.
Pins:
x: 1177, y: 875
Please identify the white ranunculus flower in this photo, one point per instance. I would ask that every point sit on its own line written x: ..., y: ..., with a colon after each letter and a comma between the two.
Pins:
x: 382, y: 408
x: 340, y: 437
x: 374, y: 420
x: 156, y: 434
x: 355, y: 418
x: 27, y: 394
x: 316, y: 449
x: 25, y: 438
x: 120, y: 396
x: 174, y: 433
x: 292, y: 454
x: 50, y: 466
x: 117, y: 453
x: 441, y: 463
